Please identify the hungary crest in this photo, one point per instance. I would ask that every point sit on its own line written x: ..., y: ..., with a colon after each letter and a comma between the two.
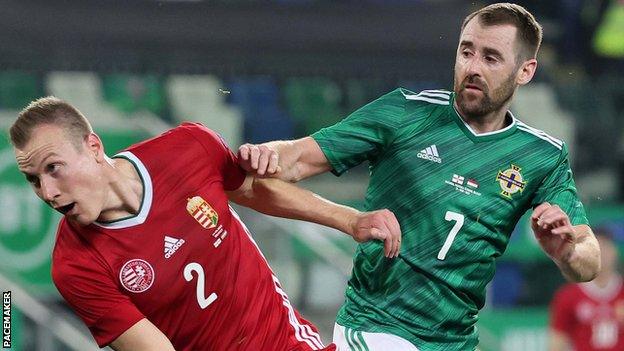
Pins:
x: 203, y: 213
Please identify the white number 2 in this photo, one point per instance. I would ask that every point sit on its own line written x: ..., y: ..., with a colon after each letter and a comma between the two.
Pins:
x: 201, y: 299
x: 459, y: 222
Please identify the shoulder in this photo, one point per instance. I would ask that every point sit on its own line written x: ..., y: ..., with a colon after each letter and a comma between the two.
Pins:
x: 184, y: 133
x: 429, y: 98
x: 186, y: 139
x: 401, y: 100
x: 424, y: 108
x: 426, y: 105
x: 195, y: 129
x: 539, y: 136
x: 201, y: 134
x: 189, y: 131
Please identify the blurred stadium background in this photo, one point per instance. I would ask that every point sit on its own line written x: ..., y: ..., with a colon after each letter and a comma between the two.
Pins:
x: 264, y: 70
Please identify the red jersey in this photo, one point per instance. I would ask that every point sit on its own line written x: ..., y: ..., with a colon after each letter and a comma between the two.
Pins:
x: 591, y: 317
x: 185, y: 262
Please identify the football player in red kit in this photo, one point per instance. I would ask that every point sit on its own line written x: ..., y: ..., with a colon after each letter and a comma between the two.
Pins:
x: 149, y: 253
x: 590, y: 316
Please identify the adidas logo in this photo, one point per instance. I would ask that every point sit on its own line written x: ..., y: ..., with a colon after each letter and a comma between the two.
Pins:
x: 172, y: 245
x: 430, y: 153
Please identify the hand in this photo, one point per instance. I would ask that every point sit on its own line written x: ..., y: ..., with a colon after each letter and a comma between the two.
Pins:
x: 553, y: 231
x: 381, y: 225
x: 258, y: 160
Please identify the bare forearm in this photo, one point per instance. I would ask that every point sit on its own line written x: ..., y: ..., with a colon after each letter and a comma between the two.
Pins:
x: 582, y: 264
x: 278, y: 198
x: 296, y: 159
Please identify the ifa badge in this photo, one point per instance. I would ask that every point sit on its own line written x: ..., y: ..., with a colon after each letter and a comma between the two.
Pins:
x: 136, y: 275
x: 511, y: 181
x: 203, y: 213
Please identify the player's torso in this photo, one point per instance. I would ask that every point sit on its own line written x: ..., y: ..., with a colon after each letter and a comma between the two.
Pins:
x: 447, y: 186
x: 457, y: 198
x: 192, y: 263
x: 599, y: 318
x: 186, y: 261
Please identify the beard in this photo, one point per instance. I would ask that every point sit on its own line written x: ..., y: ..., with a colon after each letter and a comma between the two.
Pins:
x: 472, y: 106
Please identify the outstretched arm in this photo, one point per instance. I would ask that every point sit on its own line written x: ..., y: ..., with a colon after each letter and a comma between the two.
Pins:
x: 574, y: 249
x: 278, y: 198
x: 288, y: 160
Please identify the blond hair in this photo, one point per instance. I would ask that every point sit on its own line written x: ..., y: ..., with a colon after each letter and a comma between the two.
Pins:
x: 50, y: 110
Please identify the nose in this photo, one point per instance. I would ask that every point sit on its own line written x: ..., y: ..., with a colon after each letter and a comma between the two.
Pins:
x: 473, y: 66
x: 49, y: 190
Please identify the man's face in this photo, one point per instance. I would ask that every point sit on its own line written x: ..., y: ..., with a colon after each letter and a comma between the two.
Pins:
x: 68, y: 179
x: 485, y: 68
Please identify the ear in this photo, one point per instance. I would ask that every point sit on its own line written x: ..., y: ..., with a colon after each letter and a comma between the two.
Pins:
x: 526, y: 71
x: 94, y: 145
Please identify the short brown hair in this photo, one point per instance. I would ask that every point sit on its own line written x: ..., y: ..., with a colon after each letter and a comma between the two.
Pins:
x: 529, y: 30
x: 46, y: 111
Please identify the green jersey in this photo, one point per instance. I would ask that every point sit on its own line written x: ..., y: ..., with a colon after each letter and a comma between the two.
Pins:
x: 457, y: 195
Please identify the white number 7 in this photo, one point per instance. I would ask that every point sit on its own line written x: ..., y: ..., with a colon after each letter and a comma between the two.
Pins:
x: 201, y: 299
x: 459, y: 222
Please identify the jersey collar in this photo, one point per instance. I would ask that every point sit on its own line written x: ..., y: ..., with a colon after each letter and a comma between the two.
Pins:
x: 146, y: 201
x: 480, y: 137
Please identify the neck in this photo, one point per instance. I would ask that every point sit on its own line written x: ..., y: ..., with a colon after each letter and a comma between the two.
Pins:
x: 125, y: 190
x: 491, y: 122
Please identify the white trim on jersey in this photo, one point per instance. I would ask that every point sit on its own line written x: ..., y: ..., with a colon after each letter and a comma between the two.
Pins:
x: 347, y: 339
x: 514, y: 121
x: 146, y: 204
x: 426, y: 99
x: 303, y: 332
x: 431, y: 96
x: 435, y: 94
x: 541, y: 134
x: 541, y: 137
x: 438, y: 91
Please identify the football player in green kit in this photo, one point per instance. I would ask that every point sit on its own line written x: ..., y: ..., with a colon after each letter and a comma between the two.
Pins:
x: 458, y: 170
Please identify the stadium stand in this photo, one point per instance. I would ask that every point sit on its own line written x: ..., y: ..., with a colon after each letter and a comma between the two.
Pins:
x: 202, y: 98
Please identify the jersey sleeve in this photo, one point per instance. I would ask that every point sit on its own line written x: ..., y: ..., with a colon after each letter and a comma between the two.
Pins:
x: 218, y: 153
x: 364, y: 134
x: 559, y: 188
x: 562, y: 312
x: 96, y: 299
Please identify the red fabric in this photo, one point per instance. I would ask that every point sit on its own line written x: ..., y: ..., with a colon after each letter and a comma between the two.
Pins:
x: 250, y: 312
x: 592, y: 321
